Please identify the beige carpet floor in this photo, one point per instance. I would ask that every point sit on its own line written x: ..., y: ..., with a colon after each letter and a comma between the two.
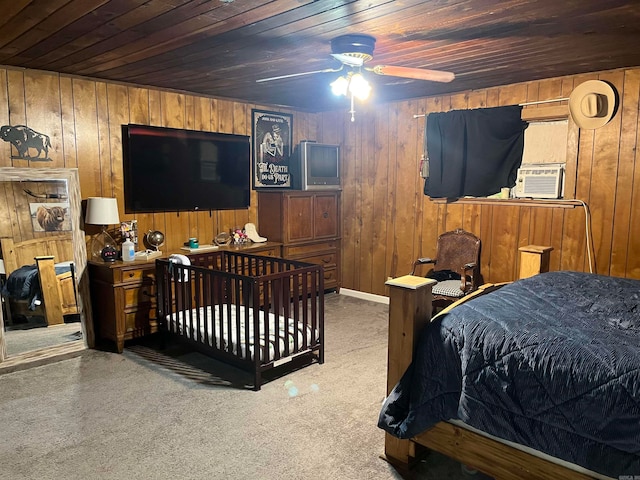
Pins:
x: 149, y: 414
x: 20, y: 340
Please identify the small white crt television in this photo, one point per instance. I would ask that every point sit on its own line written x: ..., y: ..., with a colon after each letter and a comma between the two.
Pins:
x: 316, y: 166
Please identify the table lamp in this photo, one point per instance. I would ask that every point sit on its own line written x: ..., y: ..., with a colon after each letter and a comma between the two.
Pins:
x: 102, y: 211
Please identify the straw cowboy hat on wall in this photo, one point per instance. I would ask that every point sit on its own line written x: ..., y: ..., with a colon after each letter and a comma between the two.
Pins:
x: 593, y: 104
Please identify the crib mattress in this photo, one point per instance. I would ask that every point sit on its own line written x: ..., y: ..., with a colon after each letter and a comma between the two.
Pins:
x: 214, y: 331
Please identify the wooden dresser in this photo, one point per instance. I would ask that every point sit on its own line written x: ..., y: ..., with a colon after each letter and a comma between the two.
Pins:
x: 308, y: 225
x: 123, y: 295
x: 267, y: 249
x: 123, y: 298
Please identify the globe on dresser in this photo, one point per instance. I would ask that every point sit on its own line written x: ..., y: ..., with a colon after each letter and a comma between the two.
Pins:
x: 155, y: 238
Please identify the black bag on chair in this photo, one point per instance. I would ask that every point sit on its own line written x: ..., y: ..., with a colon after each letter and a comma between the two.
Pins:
x: 443, y: 275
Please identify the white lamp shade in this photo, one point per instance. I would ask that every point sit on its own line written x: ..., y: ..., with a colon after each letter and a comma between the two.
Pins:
x: 102, y: 211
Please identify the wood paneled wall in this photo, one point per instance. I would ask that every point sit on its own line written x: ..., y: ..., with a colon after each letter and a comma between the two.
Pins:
x: 83, y: 118
x: 388, y: 222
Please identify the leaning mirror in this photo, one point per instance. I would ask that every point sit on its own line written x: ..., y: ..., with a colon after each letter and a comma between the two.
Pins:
x: 43, y: 270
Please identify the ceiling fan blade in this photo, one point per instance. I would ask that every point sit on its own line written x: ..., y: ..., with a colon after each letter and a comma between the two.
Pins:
x: 415, y: 73
x: 291, y: 75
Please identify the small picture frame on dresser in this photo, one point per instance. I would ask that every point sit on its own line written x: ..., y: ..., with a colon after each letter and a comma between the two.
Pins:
x: 129, y: 230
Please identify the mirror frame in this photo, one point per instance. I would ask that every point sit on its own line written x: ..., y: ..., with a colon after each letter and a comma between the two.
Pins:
x: 67, y: 349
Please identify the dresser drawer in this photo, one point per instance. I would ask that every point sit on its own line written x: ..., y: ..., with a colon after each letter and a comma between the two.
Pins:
x: 137, y: 322
x: 331, y: 278
x: 330, y: 274
x: 309, y: 249
x: 139, y: 294
x: 327, y: 259
x: 272, y: 252
x: 124, y: 275
x: 115, y: 274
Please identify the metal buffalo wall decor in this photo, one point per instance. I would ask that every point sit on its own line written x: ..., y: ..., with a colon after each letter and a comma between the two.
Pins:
x: 26, y: 141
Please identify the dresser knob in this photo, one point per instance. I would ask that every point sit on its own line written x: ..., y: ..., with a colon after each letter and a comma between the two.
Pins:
x: 325, y: 214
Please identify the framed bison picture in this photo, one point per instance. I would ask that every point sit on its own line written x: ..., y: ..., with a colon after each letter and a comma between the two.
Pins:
x: 50, y: 217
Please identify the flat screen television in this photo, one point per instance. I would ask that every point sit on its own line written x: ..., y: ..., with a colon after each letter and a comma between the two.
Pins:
x: 168, y: 169
x: 316, y: 166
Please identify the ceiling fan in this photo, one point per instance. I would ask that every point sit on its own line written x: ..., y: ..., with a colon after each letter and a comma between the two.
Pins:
x: 354, y: 50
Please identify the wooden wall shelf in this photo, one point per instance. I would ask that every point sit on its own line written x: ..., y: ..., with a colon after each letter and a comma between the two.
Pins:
x: 511, y: 202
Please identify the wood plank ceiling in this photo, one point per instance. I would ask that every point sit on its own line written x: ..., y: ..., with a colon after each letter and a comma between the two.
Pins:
x: 221, y: 47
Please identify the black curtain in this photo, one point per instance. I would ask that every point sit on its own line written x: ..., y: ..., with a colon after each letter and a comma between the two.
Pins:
x: 473, y: 152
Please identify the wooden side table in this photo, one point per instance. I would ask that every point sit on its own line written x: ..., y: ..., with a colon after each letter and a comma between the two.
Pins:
x: 534, y: 259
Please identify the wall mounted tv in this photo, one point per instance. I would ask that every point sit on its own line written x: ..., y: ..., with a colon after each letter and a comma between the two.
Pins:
x: 168, y: 169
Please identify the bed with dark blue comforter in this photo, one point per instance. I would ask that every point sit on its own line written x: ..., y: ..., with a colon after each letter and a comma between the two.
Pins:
x: 551, y: 362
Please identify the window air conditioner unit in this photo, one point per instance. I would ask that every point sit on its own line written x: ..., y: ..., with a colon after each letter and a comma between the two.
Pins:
x: 539, y: 181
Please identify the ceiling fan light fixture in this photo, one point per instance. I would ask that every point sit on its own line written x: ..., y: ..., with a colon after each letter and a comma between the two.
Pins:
x: 340, y: 86
x: 359, y: 87
x: 355, y: 44
x: 351, y: 59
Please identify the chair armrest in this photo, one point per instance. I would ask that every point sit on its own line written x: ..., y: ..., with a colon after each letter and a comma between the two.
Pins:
x: 469, y: 269
x: 421, y: 261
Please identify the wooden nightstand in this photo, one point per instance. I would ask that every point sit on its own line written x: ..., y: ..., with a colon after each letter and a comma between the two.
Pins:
x: 123, y: 296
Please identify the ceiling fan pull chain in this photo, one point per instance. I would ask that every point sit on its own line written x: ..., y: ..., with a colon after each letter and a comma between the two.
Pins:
x: 353, y: 110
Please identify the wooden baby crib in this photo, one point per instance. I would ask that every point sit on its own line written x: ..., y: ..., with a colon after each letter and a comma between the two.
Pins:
x: 251, y: 311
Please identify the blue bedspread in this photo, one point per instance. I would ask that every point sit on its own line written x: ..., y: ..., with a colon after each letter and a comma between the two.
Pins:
x: 551, y: 362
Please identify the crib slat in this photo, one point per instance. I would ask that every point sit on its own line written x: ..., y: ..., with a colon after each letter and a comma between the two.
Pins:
x: 196, y: 286
x: 296, y: 316
x: 228, y: 327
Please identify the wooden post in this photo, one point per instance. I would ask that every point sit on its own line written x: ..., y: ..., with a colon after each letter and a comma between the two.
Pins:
x: 534, y: 259
x: 50, y: 290
x: 409, y: 311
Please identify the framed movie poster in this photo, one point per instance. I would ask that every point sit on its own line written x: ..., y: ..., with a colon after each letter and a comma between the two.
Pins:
x: 271, y: 134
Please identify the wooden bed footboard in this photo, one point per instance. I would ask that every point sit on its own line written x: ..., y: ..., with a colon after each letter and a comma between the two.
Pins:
x: 58, y: 290
x: 409, y: 312
x: 255, y: 312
